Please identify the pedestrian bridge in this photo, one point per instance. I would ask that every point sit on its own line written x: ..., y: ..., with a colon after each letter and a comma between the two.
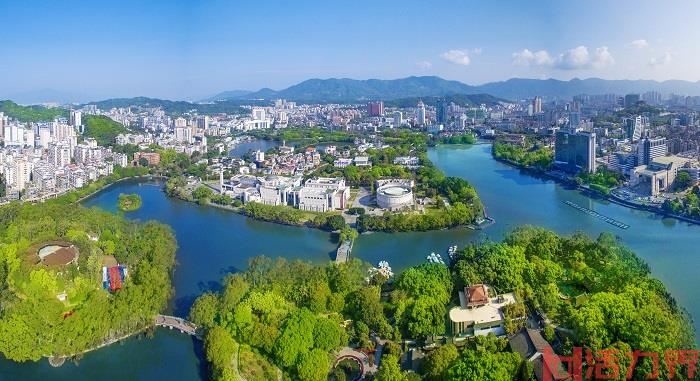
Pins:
x: 174, y: 322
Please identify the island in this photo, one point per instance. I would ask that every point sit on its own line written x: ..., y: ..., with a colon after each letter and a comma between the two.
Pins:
x: 484, y: 303
x: 383, y: 182
x: 74, y: 279
x: 129, y: 202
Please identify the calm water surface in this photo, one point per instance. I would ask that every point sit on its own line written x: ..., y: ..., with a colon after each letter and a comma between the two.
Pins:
x: 213, y: 242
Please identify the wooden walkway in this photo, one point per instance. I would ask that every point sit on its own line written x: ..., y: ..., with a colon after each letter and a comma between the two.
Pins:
x: 174, y: 322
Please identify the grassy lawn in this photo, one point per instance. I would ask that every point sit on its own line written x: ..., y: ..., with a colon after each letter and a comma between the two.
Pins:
x: 255, y: 367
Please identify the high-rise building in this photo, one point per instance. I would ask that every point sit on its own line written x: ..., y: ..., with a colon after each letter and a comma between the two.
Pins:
x: 59, y: 154
x: 17, y: 173
x: 652, y: 97
x: 180, y: 122
x: 631, y: 99
x: 76, y: 118
x: 183, y: 135
x: 420, y: 114
x: 537, y: 105
x: 635, y: 127
x: 575, y: 151
x: 442, y: 111
x: 14, y: 135
x: 687, y: 119
x: 44, y: 137
x: 574, y: 120
x: 203, y: 122
x: 398, y: 118
x: 257, y: 113
x: 375, y: 108
x: 649, y: 149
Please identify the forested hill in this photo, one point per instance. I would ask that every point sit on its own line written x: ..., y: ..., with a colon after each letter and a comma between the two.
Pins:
x: 353, y: 90
x: 458, y: 99
x: 65, y: 309
x: 174, y: 107
x: 31, y: 113
x: 103, y: 129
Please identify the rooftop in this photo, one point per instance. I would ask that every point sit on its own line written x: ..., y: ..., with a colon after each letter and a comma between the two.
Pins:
x: 485, y: 313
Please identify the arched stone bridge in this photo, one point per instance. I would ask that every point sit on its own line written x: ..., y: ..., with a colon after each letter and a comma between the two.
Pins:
x: 174, y: 322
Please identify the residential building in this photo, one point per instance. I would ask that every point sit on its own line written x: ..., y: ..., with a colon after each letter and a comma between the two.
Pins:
x: 537, y: 105
x: 76, y: 118
x: 420, y: 114
x: 153, y: 158
x: 375, y: 108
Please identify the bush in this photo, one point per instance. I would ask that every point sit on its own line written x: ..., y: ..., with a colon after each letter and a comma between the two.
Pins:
x: 356, y: 211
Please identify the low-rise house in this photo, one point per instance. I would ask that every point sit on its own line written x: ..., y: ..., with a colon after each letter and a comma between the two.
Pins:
x: 530, y: 344
x: 342, y: 162
x: 479, y: 313
x: 362, y: 161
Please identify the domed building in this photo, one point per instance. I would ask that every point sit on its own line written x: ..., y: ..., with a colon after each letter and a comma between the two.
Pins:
x: 53, y: 253
x: 394, y: 196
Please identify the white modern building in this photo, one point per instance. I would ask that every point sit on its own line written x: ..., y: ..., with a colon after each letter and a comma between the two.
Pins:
x: 394, y: 196
x: 479, y: 313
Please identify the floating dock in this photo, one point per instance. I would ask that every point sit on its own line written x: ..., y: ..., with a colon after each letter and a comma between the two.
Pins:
x: 597, y: 215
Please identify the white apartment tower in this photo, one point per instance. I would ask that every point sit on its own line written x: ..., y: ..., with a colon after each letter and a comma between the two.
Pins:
x: 420, y: 113
x: 76, y: 118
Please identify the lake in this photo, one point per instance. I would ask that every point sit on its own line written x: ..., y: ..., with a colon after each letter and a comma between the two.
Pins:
x: 213, y: 242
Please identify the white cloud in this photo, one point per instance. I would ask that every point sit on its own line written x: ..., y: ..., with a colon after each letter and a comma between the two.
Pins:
x: 573, y: 59
x: 528, y: 58
x: 603, y: 58
x: 457, y: 56
x: 639, y: 44
x: 663, y: 60
x: 424, y: 64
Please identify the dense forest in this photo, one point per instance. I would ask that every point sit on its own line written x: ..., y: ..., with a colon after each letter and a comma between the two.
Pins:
x: 688, y: 205
x: 103, y: 129
x: 294, y: 316
x: 540, y: 158
x: 65, y: 310
x: 603, y: 180
x: 129, y: 202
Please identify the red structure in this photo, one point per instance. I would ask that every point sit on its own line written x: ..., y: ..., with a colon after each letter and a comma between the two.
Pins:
x: 115, y: 278
x: 375, y: 108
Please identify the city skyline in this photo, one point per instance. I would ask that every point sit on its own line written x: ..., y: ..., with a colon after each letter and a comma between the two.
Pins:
x: 189, y: 50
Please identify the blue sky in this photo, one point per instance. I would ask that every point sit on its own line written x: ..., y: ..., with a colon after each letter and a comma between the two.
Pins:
x: 189, y: 49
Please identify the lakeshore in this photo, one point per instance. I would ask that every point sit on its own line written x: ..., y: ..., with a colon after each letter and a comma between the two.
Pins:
x: 595, y: 194
x: 512, y: 198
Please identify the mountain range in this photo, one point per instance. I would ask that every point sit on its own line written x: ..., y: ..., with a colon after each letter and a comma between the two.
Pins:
x: 345, y: 89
